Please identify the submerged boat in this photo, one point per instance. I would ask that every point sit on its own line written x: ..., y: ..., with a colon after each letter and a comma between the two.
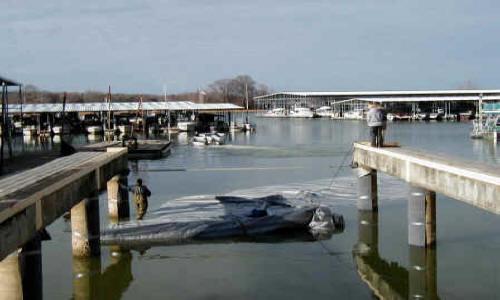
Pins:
x: 204, y: 218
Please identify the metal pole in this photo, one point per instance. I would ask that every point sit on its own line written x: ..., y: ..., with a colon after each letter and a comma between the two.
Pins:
x: 3, y: 123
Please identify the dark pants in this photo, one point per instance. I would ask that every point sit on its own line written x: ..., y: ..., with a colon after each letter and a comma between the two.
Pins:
x: 376, y: 134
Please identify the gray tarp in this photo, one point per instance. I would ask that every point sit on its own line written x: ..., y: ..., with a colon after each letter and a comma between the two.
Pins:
x: 205, y: 217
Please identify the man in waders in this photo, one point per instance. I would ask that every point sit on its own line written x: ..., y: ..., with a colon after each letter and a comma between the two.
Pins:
x: 141, y: 194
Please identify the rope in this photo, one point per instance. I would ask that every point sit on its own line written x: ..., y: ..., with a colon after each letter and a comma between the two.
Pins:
x: 342, y: 164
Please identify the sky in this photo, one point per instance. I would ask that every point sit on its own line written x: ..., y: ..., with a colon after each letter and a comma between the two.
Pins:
x: 289, y: 45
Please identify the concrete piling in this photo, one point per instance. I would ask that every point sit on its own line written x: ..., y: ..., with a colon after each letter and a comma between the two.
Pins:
x: 85, y: 228
x: 367, y: 189
x: 118, y: 200
x: 421, y: 217
x: 10, y: 278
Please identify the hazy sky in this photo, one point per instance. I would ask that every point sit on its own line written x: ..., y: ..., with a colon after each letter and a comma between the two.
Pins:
x: 138, y: 46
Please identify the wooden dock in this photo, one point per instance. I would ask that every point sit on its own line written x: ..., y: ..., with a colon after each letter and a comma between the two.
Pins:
x: 427, y: 173
x: 146, y: 149
x: 33, y: 199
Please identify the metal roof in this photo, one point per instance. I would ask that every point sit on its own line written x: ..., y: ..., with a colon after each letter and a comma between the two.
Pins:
x: 423, y: 99
x: 120, y: 106
x: 391, y: 94
x: 8, y: 82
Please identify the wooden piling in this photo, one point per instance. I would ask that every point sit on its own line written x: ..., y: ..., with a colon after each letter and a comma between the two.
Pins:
x: 430, y: 218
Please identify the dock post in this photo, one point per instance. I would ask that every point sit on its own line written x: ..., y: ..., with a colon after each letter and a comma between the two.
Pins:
x: 118, y: 201
x: 367, y: 189
x: 10, y: 277
x: 421, y: 217
x: 21, y: 272
x: 85, y: 228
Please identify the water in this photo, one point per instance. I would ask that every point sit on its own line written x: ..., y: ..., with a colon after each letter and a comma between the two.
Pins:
x: 290, y: 156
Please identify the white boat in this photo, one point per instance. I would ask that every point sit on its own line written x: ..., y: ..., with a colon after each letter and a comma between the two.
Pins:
x: 125, y: 129
x: 95, y: 130
x: 301, y: 112
x: 208, y: 139
x: 324, y: 111
x: 435, y: 116
x: 356, y: 114
x: 30, y: 130
x: 186, y: 125
x: 422, y: 116
x: 275, y: 113
x: 18, y: 127
x: 58, y: 129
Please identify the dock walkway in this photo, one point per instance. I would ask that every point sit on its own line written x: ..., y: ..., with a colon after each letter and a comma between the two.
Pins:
x: 31, y: 200
x: 427, y: 173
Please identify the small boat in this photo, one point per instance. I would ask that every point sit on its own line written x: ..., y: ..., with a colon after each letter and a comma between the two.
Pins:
x: 58, y: 130
x: 324, y: 111
x: 203, y: 139
x: 275, y: 113
x: 125, y: 129
x: 95, y: 130
x: 301, y: 112
x: 403, y: 117
x: 435, y: 116
x: 186, y: 125
x: 356, y: 114
x: 30, y: 130
x: 422, y: 116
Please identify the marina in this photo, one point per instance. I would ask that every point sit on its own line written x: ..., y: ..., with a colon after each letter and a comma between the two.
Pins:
x: 249, y: 150
x: 268, y: 162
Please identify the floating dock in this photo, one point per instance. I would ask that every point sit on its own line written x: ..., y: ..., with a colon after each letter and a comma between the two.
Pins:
x: 146, y: 149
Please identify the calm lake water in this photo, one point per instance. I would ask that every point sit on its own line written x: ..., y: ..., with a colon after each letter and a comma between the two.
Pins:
x: 289, y: 156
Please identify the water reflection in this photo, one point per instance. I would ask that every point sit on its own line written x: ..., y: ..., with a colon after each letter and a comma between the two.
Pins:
x: 387, y: 279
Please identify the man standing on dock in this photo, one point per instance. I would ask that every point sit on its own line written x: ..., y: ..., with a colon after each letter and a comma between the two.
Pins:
x: 141, y: 194
x: 375, y: 120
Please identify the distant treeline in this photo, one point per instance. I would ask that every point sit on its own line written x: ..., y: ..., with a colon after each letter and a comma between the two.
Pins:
x: 231, y: 90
